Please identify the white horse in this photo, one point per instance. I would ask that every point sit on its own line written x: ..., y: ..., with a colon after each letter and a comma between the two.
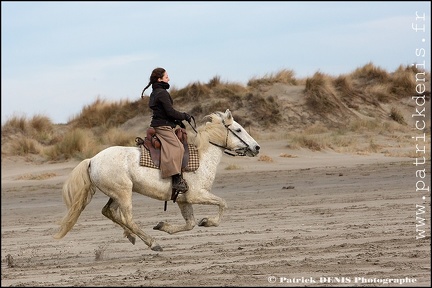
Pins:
x: 117, y: 173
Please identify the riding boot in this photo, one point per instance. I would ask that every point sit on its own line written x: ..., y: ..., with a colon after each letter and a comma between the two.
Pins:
x: 179, y: 183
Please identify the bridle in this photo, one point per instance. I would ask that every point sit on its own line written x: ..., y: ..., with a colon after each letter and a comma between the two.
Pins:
x: 237, y: 152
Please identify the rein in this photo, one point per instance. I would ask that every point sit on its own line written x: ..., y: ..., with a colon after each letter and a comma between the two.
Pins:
x: 193, y: 127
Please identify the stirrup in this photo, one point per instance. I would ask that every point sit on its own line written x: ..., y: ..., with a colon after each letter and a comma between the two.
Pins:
x: 182, y: 186
x: 175, y: 193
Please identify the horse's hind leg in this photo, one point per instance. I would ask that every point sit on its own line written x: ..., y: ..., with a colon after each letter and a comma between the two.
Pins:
x: 121, y: 213
x: 107, y: 212
x: 186, y: 210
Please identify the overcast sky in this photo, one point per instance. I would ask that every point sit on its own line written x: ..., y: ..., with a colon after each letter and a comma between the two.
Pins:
x: 57, y: 57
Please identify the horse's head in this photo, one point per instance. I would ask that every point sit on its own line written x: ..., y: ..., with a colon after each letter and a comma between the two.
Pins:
x: 232, y: 136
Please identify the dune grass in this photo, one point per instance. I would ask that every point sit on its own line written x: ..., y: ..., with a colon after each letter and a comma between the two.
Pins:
x: 330, y: 118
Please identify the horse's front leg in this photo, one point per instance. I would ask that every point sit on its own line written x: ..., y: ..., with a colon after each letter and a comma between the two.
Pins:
x: 208, y: 198
x: 186, y: 210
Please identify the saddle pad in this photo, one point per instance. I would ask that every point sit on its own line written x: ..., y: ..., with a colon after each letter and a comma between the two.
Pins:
x: 193, y: 163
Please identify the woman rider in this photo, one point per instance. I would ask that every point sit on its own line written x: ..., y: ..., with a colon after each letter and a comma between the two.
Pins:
x: 164, y: 122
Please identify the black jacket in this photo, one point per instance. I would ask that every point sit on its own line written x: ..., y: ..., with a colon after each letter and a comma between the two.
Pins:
x: 162, y: 105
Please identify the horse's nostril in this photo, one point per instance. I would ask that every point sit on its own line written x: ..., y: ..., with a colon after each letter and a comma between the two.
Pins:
x: 257, y: 148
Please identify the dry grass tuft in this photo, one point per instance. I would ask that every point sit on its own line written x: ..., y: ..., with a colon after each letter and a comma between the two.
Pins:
x: 283, y: 76
x: 116, y: 136
x: 100, y: 252
x: 265, y: 158
x: 371, y: 74
x: 14, y: 125
x: 77, y: 143
x: 397, y: 116
x: 233, y: 167
x: 42, y: 176
x: 321, y: 95
x: 107, y: 114
x: 286, y: 155
x: 10, y: 262
x: 23, y: 146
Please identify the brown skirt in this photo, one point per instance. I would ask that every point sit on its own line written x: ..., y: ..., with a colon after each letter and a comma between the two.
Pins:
x: 172, y: 151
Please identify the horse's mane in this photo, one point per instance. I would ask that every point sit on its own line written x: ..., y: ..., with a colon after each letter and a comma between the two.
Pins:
x: 213, y: 129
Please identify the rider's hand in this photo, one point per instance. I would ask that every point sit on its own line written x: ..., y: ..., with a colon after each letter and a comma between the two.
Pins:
x: 188, y: 117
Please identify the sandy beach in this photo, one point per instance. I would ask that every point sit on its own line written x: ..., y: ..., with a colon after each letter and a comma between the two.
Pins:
x: 294, y: 218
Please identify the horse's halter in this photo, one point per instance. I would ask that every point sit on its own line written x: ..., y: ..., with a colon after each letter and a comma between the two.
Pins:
x: 231, y: 152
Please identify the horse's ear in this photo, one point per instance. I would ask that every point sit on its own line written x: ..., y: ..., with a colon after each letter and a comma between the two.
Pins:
x: 228, y: 114
x: 208, y: 118
x: 229, y: 118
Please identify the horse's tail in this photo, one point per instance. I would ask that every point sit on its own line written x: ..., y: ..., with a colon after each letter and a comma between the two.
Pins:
x: 78, y: 191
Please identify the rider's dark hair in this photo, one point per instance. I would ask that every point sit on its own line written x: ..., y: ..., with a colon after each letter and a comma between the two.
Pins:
x: 155, y: 75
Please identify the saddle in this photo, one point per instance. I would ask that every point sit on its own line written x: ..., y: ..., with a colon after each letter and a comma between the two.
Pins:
x: 151, y: 152
x: 152, y: 143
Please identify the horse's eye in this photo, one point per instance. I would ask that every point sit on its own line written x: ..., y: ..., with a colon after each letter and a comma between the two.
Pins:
x: 238, y: 130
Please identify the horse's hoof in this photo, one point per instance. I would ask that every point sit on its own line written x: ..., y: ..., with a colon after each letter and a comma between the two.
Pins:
x: 131, y: 239
x: 203, y: 222
x: 158, y: 226
x: 156, y: 248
